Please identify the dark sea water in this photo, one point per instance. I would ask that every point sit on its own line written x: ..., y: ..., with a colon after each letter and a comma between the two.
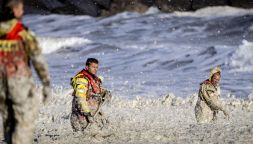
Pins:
x: 152, y: 54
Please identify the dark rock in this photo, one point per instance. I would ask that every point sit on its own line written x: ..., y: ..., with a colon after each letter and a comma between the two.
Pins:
x: 242, y: 3
x: 103, y: 3
x: 173, y: 5
x: 76, y: 7
x: 118, y: 6
x: 83, y: 7
x: 42, y: 6
x: 110, y: 7
x: 197, y: 4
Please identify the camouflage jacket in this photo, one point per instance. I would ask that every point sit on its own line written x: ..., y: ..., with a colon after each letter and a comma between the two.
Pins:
x: 210, y: 95
x: 30, y: 46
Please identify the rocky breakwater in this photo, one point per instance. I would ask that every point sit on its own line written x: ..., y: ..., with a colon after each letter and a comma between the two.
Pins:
x: 111, y: 7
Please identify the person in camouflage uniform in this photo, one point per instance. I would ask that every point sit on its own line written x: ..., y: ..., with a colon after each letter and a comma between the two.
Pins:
x: 18, y: 51
x: 88, y: 98
x: 208, y: 103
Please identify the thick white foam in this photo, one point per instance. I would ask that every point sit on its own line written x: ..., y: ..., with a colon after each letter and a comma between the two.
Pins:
x: 146, y: 120
x: 242, y: 60
x: 216, y: 11
x: 50, y: 45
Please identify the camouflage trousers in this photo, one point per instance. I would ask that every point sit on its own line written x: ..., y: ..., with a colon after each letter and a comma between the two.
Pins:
x: 203, y: 113
x: 80, y: 123
x: 18, y: 106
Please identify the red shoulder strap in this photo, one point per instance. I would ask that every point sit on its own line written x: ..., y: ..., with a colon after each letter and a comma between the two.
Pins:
x: 206, y: 82
x: 94, y: 85
x: 13, y: 34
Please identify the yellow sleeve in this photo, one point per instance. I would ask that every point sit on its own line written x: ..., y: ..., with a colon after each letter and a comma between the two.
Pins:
x: 81, y: 88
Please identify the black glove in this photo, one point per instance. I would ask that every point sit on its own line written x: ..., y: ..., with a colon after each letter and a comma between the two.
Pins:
x: 46, y: 93
x: 89, y: 117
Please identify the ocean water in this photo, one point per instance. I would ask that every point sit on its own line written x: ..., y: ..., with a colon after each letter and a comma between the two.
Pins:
x: 152, y: 54
x: 153, y: 64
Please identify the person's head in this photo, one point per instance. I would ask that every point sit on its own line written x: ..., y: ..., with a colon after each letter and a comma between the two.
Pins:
x: 11, y: 9
x: 215, y: 79
x: 92, y: 65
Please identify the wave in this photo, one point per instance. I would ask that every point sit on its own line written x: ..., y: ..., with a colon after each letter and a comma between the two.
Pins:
x: 242, y: 60
x: 217, y: 11
x: 152, y: 10
x: 154, y: 52
x: 50, y: 45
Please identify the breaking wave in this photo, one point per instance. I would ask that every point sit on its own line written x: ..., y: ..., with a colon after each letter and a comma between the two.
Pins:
x: 153, y: 53
x: 242, y: 59
x: 49, y: 44
x: 217, y: 11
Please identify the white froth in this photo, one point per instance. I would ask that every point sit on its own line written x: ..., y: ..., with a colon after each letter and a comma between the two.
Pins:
x: 242, y: 58
x: 50, y: 45
x: 217, y: 11
x: 144, y: 120
x: 152, y: 10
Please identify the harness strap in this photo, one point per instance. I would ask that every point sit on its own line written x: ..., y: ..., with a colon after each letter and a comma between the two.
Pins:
x: 13, y: 34
x: 93, y: 81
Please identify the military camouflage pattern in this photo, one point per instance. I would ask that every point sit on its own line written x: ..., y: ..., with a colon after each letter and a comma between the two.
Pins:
x: 79, y: 121
x: 208, y: 103
x: 18, y: 106
x: 18, y: 100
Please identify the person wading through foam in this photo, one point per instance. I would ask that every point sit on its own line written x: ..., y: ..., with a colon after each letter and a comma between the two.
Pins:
x: 208, y: 103
x: 88, y: 97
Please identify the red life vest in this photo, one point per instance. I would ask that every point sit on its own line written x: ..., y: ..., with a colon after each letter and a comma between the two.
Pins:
x: 13, y: 59
x: 94, y: 81
x: 13, y: 34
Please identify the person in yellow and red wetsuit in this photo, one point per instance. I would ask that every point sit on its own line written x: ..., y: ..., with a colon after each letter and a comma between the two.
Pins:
x: 88, y: 98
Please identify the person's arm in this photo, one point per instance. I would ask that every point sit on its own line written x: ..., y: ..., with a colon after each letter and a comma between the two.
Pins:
x: 81, y: 89
x: 214, y: 104
x: 34, y: 54
x: 209, y: 96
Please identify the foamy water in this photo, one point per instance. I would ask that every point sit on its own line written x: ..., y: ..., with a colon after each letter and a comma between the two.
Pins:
x: 51, y: 45
x: 168, y: 119
x: 242, y: 60
x: 152, y: 54
x: 153, y: 64
x: 217, y: 11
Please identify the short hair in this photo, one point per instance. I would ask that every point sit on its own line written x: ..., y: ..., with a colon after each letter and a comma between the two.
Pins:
x: 6, y: 12
x: 91, y: 60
